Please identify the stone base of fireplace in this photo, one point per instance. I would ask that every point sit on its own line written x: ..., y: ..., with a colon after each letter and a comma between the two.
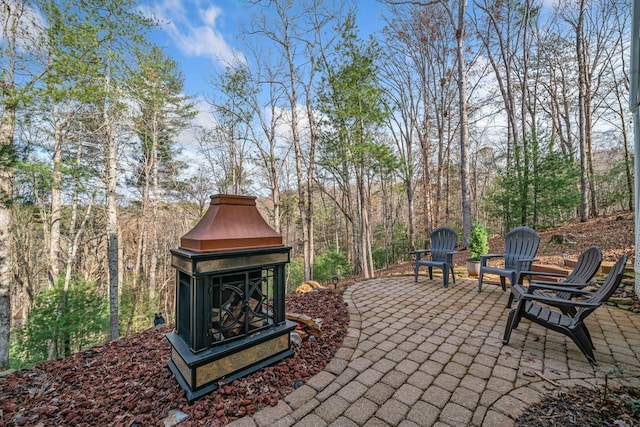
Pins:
x: 203, y: 372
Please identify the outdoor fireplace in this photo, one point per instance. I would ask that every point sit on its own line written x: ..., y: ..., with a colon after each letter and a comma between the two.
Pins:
x: 230, y: 315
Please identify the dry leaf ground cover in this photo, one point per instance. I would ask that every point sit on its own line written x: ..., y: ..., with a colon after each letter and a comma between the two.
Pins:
x: 585, y: 407
x: 613, y: 234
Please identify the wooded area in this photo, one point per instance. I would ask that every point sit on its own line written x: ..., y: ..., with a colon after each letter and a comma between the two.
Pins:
x: 507, y: 112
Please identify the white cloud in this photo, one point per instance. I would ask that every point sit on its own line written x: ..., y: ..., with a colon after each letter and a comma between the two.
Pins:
x: 203, y: 120
x: 211, y: 14
x: 195, y: 30
x: 188, y: 138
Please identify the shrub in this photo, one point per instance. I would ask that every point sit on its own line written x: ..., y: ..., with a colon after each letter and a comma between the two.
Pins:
x: 478, y: 241
x: 330, y: 263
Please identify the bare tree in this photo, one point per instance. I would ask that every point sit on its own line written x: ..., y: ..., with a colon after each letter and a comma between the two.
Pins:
x: 456, y: 11
x: 115, y: 26
x: 505, y: 30
x: 594, y: 37
x: 420, y: 73
x: 271, y: 154
x: 295, y: 30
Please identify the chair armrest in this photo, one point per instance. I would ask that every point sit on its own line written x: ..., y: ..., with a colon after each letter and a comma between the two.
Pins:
x: 533, y: 286
x: 542, y: 273
x: 419, y: 252
x: 521, y: 261
x: 568, y: 285
x: 558, y: 302
x: 517, y: 290
x: 529, y: 275
x: 450, y: 256
x: 485, y: 258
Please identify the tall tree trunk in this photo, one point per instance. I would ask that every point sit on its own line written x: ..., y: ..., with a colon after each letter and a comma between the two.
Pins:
x: 362, y: 232
x: 303, y: 209
x: 112, y: 227
x: 303, y: 196
x: 367, y: 227
x: 56, y: 207
x: 11, y: 13
x: 628, y: 161
x: 582, y: 139
x: 464, y: 122
x: 588, y: 133
x: 313, y: 137
x: 75, y: 231
x: 7, y: 127
x: 153, y: 264
x: 431, y: 212
x: 427, y: 223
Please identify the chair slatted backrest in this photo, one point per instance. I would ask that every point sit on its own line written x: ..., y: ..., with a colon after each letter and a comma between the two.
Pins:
x: 443, y: 242
x: 520, y: 243
x: 586, y: 267
x: 611, y: 283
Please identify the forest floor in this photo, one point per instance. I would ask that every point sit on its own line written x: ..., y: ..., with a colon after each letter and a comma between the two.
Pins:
x: 127, y: 383
x: 613, y: 234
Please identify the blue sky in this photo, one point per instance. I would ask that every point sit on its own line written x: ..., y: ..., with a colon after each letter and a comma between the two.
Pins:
x: 202, y: 34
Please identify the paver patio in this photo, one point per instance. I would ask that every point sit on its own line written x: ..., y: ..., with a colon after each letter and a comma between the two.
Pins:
x: 418, y: 354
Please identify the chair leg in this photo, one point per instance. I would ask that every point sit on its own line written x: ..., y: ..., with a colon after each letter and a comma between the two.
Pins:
x: 453, y: 275
x: 480, y: 280
x: 588, y: 335
x: 445, y: 277
x: 430, y: 273
x: 515, y: 314
x: 509, y: 326
x: 510, y: 300
x: 503, y: 283
x: 586, y: 332
x: 416, y: 273
x: 583, y: 342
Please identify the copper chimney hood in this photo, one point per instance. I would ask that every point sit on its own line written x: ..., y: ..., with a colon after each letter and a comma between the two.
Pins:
x: 230, y: 290
x: 231, y: 223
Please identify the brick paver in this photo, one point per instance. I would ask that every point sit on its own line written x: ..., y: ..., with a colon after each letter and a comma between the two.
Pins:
x: 418, y: 354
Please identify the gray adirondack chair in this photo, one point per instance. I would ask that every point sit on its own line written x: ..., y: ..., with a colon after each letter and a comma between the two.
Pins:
x: 586, y: 267
x: 443, y: 244
x: 520, y: 247
x: 538, y: 308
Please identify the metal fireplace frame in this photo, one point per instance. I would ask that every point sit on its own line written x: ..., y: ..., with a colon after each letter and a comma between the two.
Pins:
x: 230, y: 313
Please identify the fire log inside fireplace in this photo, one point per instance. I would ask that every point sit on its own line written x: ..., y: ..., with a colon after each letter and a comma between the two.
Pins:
x: 230, y: 315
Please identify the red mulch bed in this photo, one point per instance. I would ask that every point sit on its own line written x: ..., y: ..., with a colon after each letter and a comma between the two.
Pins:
x: 127, y: 382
